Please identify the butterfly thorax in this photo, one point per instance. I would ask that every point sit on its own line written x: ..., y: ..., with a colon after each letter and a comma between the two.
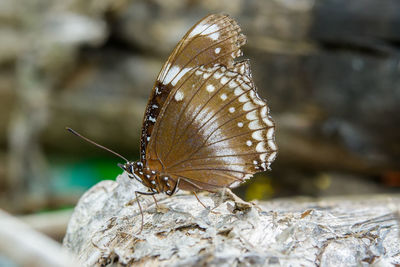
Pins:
x: 154, y: 180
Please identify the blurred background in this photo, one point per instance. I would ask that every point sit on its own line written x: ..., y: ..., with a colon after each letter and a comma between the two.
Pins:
x: 329, y: 69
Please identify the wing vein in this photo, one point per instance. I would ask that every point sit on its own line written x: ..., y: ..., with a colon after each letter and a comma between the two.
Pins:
x: 214, y: 117
x: 234, y: 136
x: 205, y: 104
x: 201, y: 51
x: 215, y: 169
x: 217, y: 156
x: 180, y: 115
x: 188, y: 44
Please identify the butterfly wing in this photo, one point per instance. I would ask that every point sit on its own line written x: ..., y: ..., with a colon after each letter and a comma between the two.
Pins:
x: 214, y: 39
x: 215, y: 130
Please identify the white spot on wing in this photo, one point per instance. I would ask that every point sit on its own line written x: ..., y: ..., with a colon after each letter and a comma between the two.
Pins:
x: 210, y: 88
x: 150, y: 118
x: 217, y: 50
x: 265, y: 117
x: 245, y: 86
x: 224, y: 80
x: 268, y: 122
x: 252, y: 94
x: 213, y: 28
x: 238, y: 91
x: 223, y: 97
x: 263, y: 157
x: 271, y: 144
x: 272, y: 156
x: 258, y: 101
x: 214, y: 36
x: 270, y: 133
x: 235, y: 184
x: 198, y: 29
x: 257, y: 135
x: 179, y: 96
x: 218, y: 75
x: 249, y: 143
x: 230, y: 74
x: 252, y: 115
x: 242, y: 69
x: 232, y: 84
x: 248, y: 106
x: 179, y: 76
x: 171, y: 74
x: 264, y: 166
x: 253, y: 125
x: 247, y: 176
x: 206, y: 75
x: 240, y: 124
x: 264, y: 112
x: 231, y: 109
x: 243, y: 98
x: 260, y: 147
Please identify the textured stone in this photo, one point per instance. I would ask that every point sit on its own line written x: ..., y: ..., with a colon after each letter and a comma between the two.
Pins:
x: 332, y: 231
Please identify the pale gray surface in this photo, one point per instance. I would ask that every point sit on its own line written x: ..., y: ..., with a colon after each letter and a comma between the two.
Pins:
x: 20, y: 245
x: 290, y: 232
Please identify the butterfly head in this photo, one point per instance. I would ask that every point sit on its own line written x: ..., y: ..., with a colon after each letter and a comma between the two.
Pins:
x: 145, y: 176
x: 134, y: 169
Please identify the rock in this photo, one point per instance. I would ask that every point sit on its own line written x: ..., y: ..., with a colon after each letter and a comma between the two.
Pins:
x: 333, y: 231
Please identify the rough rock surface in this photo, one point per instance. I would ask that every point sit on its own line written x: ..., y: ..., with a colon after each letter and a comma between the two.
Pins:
x: 329, y: 232
x: 329, y: 70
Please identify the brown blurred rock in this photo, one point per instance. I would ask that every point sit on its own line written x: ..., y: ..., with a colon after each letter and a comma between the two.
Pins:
x: 344, y: 80
x: 329, y: 70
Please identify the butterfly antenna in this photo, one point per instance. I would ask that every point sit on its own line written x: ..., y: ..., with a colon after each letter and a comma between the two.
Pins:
x: 96, y: 144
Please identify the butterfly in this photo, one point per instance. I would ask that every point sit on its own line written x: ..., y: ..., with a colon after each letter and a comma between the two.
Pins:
x: 205, y: 127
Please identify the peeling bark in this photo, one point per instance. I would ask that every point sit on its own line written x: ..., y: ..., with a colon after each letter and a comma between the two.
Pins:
x: 330, y: 232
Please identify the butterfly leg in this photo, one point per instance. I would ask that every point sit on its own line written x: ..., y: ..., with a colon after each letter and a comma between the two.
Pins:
x: 155, y: 201
x: 140, y: 207
x: 207, y: 208
x: 200, y: 201
x: 196, y: 186
x: 175, y: 188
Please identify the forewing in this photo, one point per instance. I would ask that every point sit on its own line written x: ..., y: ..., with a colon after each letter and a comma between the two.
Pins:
x: 215, y: 130
x: 216, y: 39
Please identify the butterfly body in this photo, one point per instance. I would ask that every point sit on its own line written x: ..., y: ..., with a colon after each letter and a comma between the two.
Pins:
x: 154, y: 179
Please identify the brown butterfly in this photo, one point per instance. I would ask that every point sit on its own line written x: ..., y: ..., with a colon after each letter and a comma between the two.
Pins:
x: 205, y: 127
